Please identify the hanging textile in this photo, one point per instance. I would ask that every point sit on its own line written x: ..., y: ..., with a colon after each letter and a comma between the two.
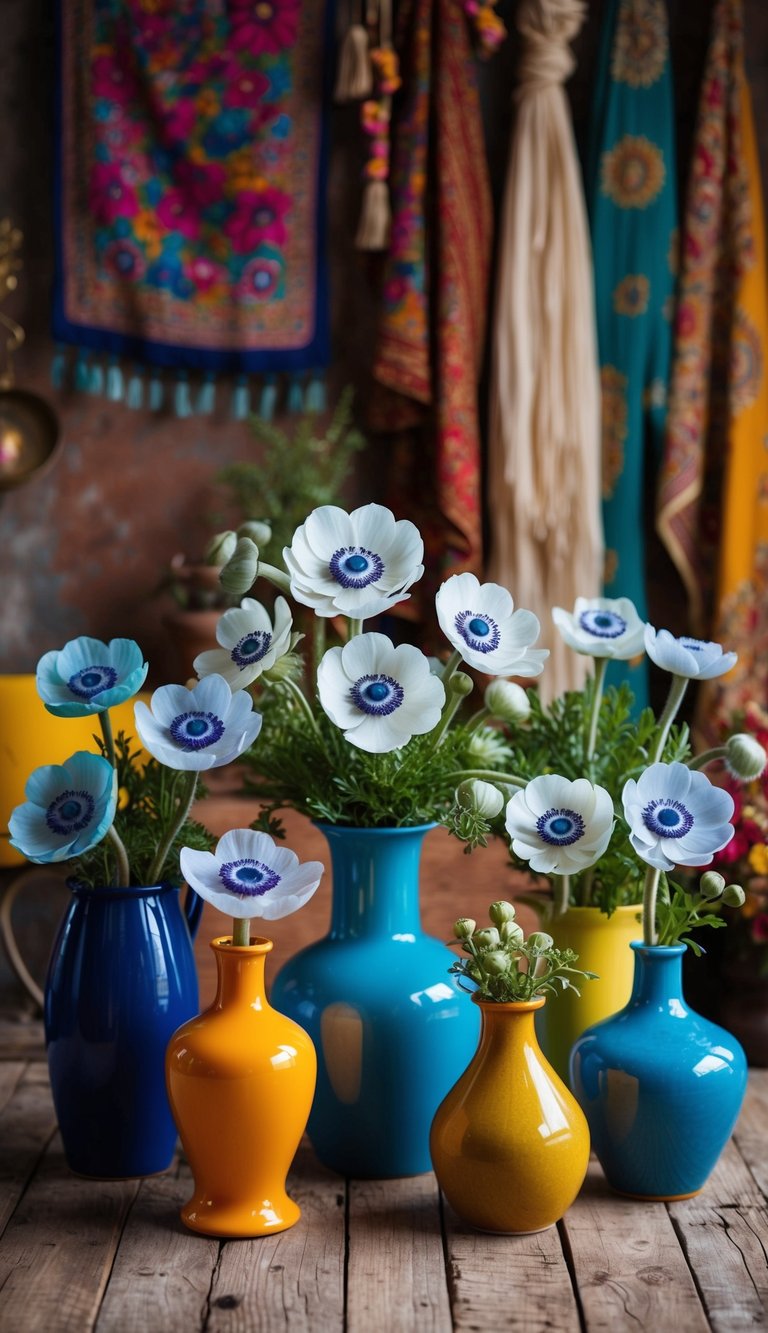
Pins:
x: 432, y: 321
x: 713, y: 497
x: 630, y: 179
x: 190, y: 190
x: 544, y: 448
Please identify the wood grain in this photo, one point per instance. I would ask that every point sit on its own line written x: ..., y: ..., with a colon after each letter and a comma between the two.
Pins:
x: 27, y: 1123
x: 751, y: 1132
x: 726, y: 1250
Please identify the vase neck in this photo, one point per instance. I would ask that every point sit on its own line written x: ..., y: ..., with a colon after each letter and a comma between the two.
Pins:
x: 508, y: 1027
x: 658, y: 979
x: 240, y: 974
x: 375, y: 881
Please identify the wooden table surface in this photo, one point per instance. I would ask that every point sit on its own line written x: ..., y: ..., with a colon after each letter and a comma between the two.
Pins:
x: 368, y: 1256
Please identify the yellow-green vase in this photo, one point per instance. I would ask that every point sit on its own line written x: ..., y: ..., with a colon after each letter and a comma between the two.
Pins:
x: 602, y: 944
x: 510, y: 1144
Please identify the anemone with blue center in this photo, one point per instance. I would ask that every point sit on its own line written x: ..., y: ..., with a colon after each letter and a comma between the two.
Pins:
x: 69, y: 809
x: 198, y: 729
x: 480, y: 621
x: 379, y: 695
x: 251, y: 642
x: 602, y: 627
x: 89, y: 676
x: 558, y: 826
x: 355, y: 564
x: 676, y: 816
x: 248, y: 875
x: 690, y: 659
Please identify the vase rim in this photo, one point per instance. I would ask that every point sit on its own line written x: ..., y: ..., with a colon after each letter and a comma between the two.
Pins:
x: 511, y: 1006
x: 593, y: 907
x: 113, y: 891
x: 365, y: 828
x: 258, y: 946
x: 658, y: 950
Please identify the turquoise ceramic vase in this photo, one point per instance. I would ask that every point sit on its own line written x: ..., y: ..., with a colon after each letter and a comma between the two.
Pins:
x: 392, y: 1030
x: 661, y: 1087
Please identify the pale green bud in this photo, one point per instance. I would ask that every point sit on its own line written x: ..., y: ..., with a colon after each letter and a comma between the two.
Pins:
x: 487, y: 749
x: 258, y: 531
x: 486, y: 938
x: 459, y: 684
x: 239, y: 574
x: 464, y: 927
x: 733, y: 895
x: 507, y: 701
x: 483, y: 797
x: 745, y: 757
x: 501, y: 911
x: 511, y: 934
x: 287, y: 667
x: 220, y: 548
x: 711, y: 884
x: 496, y: 963
x: 540, y: 941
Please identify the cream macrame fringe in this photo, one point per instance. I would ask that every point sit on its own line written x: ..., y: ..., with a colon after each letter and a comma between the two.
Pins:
x: 354, y: 79
x: 544, y: 449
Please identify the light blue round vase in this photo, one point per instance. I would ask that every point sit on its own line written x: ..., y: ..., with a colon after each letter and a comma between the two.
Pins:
x: 392, y: 1030
x: 661, y: 1087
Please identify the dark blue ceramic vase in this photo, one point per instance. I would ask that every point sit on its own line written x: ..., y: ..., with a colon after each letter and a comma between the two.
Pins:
x: 392, y: 1030
x: 661, y: 1087
x: 120, y: 981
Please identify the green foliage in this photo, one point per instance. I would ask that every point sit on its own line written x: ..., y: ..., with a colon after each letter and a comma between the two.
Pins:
x: 149, y: 798
x: 680, y: 910
x: 504, y: 967
x: 295, y: 472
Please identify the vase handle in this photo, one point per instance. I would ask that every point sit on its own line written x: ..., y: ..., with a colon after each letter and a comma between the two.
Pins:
x: 193, y: 910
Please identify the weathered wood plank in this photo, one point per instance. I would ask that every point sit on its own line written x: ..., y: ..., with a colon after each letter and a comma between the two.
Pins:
x: 731, y: 1183
x: 58, y: 1249
x: 726, y: 1249
x: 751, y: 1129
x: 162, y: 1274
x: 629, y: 1267
x: 294, y: 1280
x: 396, y: 1273
x: 10, y: 1073
x: 508, y: 1282
x: 27, y: 1123
x: 21, y: 1038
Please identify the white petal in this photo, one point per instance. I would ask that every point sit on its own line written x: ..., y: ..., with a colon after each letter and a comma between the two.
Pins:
x: 169, y: 702
x: 369, y: 654
x: 327, y: 529
x: 373, y: 526
x: 212, y: 695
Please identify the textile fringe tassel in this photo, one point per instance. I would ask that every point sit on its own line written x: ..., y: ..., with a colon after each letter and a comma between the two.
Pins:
x: 268, y: 401
x: 206, y: 398
x: 375, y: 225
x: 354, y: 78
x: 58, y: 368
x: 134, y: 393
x: 241, y: 400
x: 315, y: 398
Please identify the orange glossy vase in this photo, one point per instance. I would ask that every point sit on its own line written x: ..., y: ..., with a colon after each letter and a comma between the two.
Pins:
x: 510, y: 1144
x: 241, y: 1078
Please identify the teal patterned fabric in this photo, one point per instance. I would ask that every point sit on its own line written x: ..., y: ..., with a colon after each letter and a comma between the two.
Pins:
x: 631, y: 198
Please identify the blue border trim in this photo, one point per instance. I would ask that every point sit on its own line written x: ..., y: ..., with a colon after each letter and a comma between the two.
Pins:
x: 315, y: 355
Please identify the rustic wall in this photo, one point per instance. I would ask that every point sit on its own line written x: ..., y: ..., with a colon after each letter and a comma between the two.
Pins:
x: 83, y: 547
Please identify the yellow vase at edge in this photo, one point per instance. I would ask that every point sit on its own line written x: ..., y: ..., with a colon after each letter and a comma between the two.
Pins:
x: 510, y: 1144
x: 241, y: 1078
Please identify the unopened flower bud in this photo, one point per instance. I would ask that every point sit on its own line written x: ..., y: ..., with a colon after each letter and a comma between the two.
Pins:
x: 459, y: 684
x: 258, y: 531
x: 507, y: 701
x: 239, y: 574
x: 501, y: 911
x: 745, y: 757
x: 483, y: 797
x: 496, y: 963
x: 220, y: 548
x: 733, y: 895
x: 511, y: 934
x: 486, y: 938
x: 464, y: 927
x: 540, y: 941
x: 711, y: 884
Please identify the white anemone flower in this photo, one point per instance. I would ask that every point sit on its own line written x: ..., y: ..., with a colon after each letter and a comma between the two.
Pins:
x: 602, y: 627
x: 481, y: 622
x: 676, y: 816
x: 249, y: 876
x: 356, y: 564
x: 379, y: 694
x: 250, y: 643
x: 693, y: 659
x: 560, y: 827
x: 205, y: 727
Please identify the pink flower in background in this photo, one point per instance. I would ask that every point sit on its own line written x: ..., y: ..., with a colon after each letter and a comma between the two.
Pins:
x: 179, y: 122
x: 259, y: 216
x: 205, y: 274
x: 176, y: 214
x: 759, y: 930
x: 111, y: 79
x: 262, y: 279
x: 264, y: 26
x: 245, y: 88
x: 201, y: 184
x: 110, y: 195
x: 125, y: 259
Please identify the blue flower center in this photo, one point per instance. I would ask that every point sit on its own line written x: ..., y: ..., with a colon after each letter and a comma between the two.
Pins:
x: 377, y: 695
x: 251, y: 648
x: 248, y: 878
x: 560, y: 828
x: 194, y: 731
x: 479, y: 631
x: 602, y: 624
x: 92, y: 680
x: 667, y: 818
x: 70, y: 812
x: 355, y: 566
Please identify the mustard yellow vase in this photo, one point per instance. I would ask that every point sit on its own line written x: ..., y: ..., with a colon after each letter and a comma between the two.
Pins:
x: 240, y: 1078
x: 510, y: 1144
x: 602, y: 944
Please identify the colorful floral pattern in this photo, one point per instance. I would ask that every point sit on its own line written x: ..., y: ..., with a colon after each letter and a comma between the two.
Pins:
x: 630, y: 296
x: 613, y: 389
x: 193, y: 134
x: 633, y: 172
x: 641, y: 46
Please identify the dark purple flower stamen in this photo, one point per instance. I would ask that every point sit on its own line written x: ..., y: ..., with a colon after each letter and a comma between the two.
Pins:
x: 667, y: 818
x: 602, y: 624
x: 251, y: 648
x: 70, y: 812
x: 355, y: 566
x: 560, y: 828
x: 92, y: 680
x: 694, y: 645
x: 478, y: 630
x: 377, y: 695
x: 248, y: 878
x: 194, y: 731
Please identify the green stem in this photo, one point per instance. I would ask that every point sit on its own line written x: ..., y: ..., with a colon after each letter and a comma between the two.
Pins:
x: 707, y: 757
x: 106, y: 731
x: 451, y: 666
x: 450, y: 709
x: 301, y: 699
x: 487, y: 775
x: 121, y: 858
x: 183, y: 808
x: 275, y: 576
x: 599, y: 680
x: 241, y: 932
x: 585, y: 888
x: 354, y: 628
x: 650, y: 889
x: 476, y: 719
x: 318, y: 641
x: 677, y: 689
x: 561, y: 892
